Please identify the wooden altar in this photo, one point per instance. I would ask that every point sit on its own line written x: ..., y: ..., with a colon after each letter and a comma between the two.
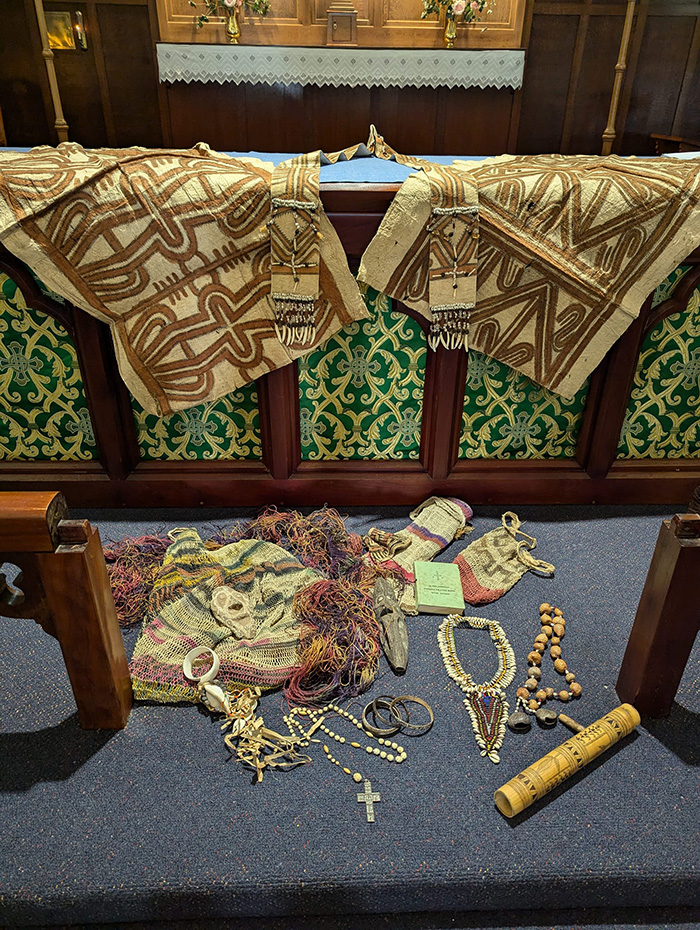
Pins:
x: 121, y: 476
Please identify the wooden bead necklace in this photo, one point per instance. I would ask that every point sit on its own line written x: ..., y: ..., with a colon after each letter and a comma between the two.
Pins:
x: 533, y: 696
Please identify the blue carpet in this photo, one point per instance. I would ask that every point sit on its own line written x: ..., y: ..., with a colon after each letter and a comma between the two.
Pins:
x: 155, y: 824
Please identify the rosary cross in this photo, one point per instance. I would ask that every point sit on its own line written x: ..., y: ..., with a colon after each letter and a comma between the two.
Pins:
x: 369, y: 797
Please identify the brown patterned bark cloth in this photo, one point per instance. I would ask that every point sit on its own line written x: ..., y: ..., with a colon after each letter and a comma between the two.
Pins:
x: 178, y: 251
x: 569, y: 249
x: 451, y: 233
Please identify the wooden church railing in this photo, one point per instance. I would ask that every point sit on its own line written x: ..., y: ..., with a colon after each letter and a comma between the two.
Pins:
x: 121, y: 478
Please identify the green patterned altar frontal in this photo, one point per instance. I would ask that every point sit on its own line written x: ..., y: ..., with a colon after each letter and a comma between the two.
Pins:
x: 43, y: 412
x: 224, y: 429
x: 663, y: 415
x: 361, y: 392
x: 508, y: 416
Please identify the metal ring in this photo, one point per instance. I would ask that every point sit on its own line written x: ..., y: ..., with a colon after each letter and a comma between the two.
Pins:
x: 385, y: 701
x: 413, y: 729
x: 194, y: 654
x: 374, y: 730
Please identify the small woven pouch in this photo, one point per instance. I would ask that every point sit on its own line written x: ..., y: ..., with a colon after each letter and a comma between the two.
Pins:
x: 434, y: 525
x: 492, y: 564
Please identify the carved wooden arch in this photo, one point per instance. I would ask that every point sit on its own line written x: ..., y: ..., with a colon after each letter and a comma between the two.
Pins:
x: 677, y: 302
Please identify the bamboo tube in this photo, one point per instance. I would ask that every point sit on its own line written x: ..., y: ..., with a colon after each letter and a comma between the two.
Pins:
x: 620, y: 68
x: 60, y: 124
x: 564, y: 761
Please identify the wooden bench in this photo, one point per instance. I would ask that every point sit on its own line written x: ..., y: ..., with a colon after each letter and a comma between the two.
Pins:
x: 63, y: 585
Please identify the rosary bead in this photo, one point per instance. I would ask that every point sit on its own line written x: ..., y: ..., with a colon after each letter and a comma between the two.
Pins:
x: 533, y: 704
x: 575, y: 689
x: 547, y: 630
x: 570, y: 677
x: 531, y: 684
x: 560, y: 665
x: 555, y: 652
x: 534, y: 658
x: 558, y: 629
x: 539, y: 647
x: 542, y: 638
x: 541, y: 696
x: 545, y: 608
x: 523, y: 693
x: 534, y: 672
x: 563, y: 696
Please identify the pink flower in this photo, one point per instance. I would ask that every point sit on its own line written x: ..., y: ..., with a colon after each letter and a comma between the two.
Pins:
x: 459, y: 6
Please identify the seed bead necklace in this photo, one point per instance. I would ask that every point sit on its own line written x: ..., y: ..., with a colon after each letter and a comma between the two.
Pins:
x: 533, y: 696
x: 486, y: 703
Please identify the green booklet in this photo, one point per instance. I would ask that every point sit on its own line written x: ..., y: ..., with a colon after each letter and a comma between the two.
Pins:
x: 438, y: 588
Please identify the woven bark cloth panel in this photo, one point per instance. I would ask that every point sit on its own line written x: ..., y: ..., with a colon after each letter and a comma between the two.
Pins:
x: 569, y: 248
x: 170, y: 248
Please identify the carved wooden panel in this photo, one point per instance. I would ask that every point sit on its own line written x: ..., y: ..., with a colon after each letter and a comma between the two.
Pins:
x: 381, y: 24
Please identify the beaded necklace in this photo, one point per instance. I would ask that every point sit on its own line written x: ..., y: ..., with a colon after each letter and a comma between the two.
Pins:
x: 534, y: 695
x: 486, y: 703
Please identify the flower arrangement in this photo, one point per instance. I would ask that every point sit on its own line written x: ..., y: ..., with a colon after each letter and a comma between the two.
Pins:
x: 231, y: 9
x: 468, y: 11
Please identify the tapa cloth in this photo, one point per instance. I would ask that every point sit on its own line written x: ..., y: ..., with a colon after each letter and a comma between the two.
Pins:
x: 179, y: 616
x: 172, y: 250
x: 569, y: 249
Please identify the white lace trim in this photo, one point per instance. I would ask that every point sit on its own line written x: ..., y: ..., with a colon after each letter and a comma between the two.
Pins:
x: 258, y: 64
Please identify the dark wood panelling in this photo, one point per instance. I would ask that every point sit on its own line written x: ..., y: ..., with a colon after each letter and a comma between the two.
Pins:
x: 658, y: 80
x: 22, y: 82
x: 79, y: 84
x: 414, y: 120
x: 130, y: 71
x: 546, y: 83
x: 592, y: 100
x: 476, y: 122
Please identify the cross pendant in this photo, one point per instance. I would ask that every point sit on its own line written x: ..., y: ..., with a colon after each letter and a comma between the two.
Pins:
x: 369, y: 797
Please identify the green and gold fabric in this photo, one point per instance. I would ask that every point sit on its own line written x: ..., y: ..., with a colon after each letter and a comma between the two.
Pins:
x: 663, y: 415
x: 508, y: 416
x: 361, y: 392
x: 43, y: 411
x: 224, y: 429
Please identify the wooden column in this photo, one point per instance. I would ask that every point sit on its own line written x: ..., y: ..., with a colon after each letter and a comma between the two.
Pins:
x: 667, y: 621
x: 108, y: 398
x: 620, y: 68
x: 280, y: 436
x: 608, y: 397
x: 60, y: 124
x: 443, y: 404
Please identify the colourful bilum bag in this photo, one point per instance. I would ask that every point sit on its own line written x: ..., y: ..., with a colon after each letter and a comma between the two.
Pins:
x: 435, y: 524
x: 491, y: 565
